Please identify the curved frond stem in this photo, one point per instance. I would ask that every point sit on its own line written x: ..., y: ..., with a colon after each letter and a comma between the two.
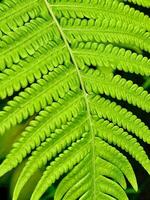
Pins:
x: 83, y: 88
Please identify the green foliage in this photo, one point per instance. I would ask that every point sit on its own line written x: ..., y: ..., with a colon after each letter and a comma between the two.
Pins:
x: 58, y: 62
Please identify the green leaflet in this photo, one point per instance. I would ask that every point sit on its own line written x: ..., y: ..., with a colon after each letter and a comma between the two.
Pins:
x: 104, y: 30
x: 145, y: 3
x: 57, y: 68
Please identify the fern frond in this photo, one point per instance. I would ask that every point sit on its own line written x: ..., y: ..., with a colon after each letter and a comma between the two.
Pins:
x: 78, y: 189
x: 100, y: 195
x: 57, y: 168
x: 53, y: 145
x: 107, y: 186
x: 78, y: 173
x: 106, y: 30
x: 117, y: 136
x: 115, y: 174
x: 107, y: 55
x: 58, y: 66
x: 118, y: 88
x: 43, y: 126
x: 97, y: 9
x: 20, y: 75
x: 107, y: 109
x: 112, y: 155
x: 38, y: 96
x: 145, y: 3
x: 15, y: 13
x: 74, y: 176
x: 25, y: 41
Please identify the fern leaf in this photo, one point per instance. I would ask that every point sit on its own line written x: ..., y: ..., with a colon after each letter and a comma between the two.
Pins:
x: 115, y: 174
x: 23, y: 74
x: 138, y: 97
x: 105, y: 30
x: 59, y: 140
x: 88, y: 54
x: 35, y: 30
x: 118, y: 137
x: 15, y: 13
x: 78, y: 151
x: 97, y: 9
x: 107, y: 109
x: 112, y: 155
x: 43, y: 126
x: 75, y: 175
x: 59, y: 63
x: 36, y: 97
x: 145, y: 3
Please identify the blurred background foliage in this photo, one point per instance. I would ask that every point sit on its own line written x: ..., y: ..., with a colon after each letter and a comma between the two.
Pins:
x: 8, y: 181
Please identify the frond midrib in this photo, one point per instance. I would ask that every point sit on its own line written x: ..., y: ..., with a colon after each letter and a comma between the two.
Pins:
x: 83, y: 89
